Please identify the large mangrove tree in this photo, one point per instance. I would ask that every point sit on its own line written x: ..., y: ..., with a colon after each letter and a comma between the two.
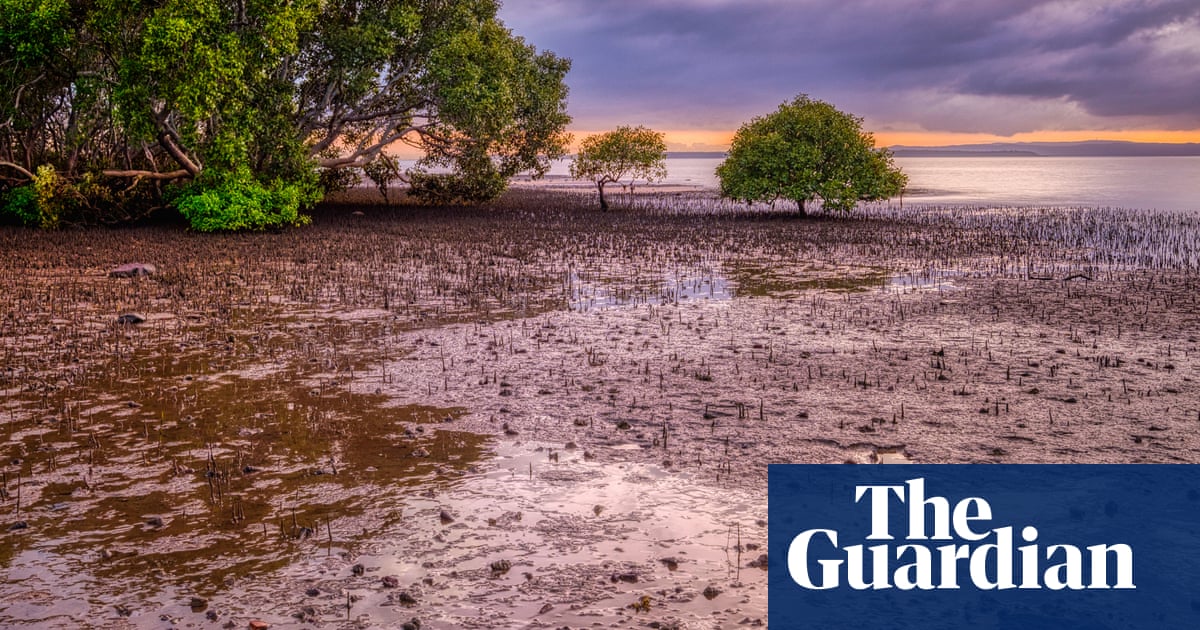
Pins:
x: 239, y: 113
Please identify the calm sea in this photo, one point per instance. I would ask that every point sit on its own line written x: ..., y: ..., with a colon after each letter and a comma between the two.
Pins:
x: 1152, y: 183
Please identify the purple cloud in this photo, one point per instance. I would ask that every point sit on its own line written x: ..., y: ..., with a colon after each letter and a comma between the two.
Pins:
x: 714, y: 63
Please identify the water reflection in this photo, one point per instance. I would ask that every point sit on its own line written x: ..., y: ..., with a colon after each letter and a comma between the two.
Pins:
x: 191, y: 476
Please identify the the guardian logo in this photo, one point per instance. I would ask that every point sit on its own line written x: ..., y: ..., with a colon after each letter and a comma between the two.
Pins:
x: 949, y: 545
x: 984, y: 547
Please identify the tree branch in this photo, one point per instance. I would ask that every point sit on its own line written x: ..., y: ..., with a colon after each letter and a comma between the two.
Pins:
x: 355, y: 159
x: 167, y: 139
x: 19, y: 168
x: 148, y: 174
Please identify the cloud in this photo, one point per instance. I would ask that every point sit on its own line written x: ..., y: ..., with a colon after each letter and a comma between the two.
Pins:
x: 991, y: 67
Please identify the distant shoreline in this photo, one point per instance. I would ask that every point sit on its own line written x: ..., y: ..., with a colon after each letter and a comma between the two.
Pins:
x: 1090, y: 148
x: 949, y: 153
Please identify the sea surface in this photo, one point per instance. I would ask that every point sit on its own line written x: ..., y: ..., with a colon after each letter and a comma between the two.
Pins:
x: 1149, y: 183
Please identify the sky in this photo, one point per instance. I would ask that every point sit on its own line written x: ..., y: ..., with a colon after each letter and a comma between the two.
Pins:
x: 919, y: 72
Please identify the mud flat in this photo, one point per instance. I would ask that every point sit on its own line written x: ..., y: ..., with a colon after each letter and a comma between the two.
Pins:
x: 536, y: 414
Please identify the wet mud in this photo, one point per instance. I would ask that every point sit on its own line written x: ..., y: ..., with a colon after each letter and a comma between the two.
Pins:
x: 536, y: 414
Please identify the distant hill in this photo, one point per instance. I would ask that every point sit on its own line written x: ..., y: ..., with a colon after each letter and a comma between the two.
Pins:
x: 948, y: 152
x: 1089, y: 148
x: 695, y: 154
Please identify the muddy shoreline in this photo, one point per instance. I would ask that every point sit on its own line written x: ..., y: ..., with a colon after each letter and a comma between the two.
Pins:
x: 536, y: 414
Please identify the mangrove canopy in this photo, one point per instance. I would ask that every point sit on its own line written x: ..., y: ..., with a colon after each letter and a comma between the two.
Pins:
x: 239, y: 113
x: 808, y: 150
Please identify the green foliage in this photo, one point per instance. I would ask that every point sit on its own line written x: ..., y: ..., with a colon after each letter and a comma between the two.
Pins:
x: 279, y: 93
x: 631, y: 153
x: 456, y: 188
x: 46, y: 202
x: 229, y: 202
x: 20, y: 205
x: 383, y: 170
x: 53, y: 196
x: 446, y: 77
x: 806, y: 150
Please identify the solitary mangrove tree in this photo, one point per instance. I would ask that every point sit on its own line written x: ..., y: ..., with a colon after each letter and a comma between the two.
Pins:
x: 808, y: 150
x: 623, y: 154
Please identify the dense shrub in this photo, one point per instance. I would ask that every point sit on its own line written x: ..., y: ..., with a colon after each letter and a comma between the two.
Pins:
x: 226, y: 202
x: 447, y: 188
x: 19, y: 205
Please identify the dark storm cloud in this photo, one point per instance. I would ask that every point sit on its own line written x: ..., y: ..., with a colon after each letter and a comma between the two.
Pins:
x: 711, y: 63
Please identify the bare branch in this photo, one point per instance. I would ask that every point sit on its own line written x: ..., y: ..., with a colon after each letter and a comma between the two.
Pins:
x: 18, y: 167
x: 148, y: 174
x: 364, y: 153
x: 167, y: 139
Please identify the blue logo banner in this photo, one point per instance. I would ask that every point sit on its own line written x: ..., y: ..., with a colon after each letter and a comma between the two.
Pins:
x: 984, y: 546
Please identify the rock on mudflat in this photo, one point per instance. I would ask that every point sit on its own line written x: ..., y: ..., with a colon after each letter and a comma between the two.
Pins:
x: 131, y: 318
x: 132, y: 270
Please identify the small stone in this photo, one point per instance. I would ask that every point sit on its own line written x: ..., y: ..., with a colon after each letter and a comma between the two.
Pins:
x: 759, y: 563
x: 390, y: 581
x: 624, y: 425
x: 256, y: 624
x: 671, y: 563
x: 211, y: 615
x: 406, y: 598
x: 18, y: 525
x: 420, y: 451
x: 154, y: 521
x: 446, y: 517
x: 132, y: 270
x: 313, y: 592
x: 358, y: 569
x: 130, y: 318
x: 631, y: 578
x: 197, y: 604
x: 570, y: 446
x: 545, y: 609
x: 411, y: 624
x: 501, y: 566
x: 711, y: 591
